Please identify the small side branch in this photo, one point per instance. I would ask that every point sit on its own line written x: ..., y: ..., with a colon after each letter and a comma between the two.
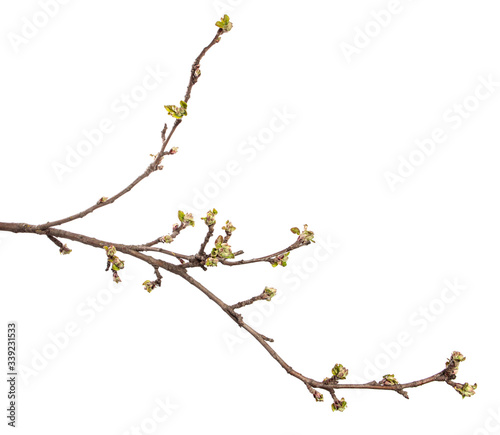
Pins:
x: 161, y: 250
x: 149, y: 286
x: 268, y: 258
x: 266, y: 338
x: 63, y: 248
x: 155, y: 165
x: 186, y: 219
x: 210, y: 233
x: 250, y: 301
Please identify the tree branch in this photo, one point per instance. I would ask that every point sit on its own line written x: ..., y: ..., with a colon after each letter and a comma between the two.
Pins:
x: 210, y: 233
x: 266, y: 258
x: 145, y: 248
x: 222, y: 253
x: 153, y: 166
x: 250, y: 301
x: 329, y: 384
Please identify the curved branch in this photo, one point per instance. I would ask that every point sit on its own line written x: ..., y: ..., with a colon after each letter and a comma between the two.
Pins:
x: 195, y: 68
x: 161, y: 250
x: 330, y: 385
x: 266, y: 258
x: 327, y: 384
x: 150, y: 169
x: 210, y: 233
x: 154, y: 166
x: 90, y: 241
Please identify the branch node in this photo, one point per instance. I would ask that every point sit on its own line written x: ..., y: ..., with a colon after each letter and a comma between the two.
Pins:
x: 63, y: 248
x: 163, y: 133
x: 266, y: 338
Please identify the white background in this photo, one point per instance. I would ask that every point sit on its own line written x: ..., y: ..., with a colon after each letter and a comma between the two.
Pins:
x: 392, y: 250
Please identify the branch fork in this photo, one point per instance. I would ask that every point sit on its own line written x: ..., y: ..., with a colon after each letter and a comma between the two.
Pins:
x: 222, y: 254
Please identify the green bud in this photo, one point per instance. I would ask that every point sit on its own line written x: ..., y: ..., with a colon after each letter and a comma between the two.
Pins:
x: 210, y: 219
x: 453, y: 362
x: 456, y: 356
x: 186, y: 218
x: 103, y: 199
x: 189, y: 219
x: 117, y: 264
x: 318, y: 396
x: 389, y: 380
x: 225, y: 251
x: 167, y: 239
x: 270, y: 293
x: 339, y: 371
x: 173, y: 111
x: 295, y: 230
x: 110, y: 251
x: 148, y: 286
x: 224, y: 24
x: 466, y: 390
x: 116, y: 278
x: 306, y: 236
x: 228, y: 228
x: 280, y: 260
x: 177, y: 112
x: 339, y: 405
x: 211, y: 262
x: 65, y: 250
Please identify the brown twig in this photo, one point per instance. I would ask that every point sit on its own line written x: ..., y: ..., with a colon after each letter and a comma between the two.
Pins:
x: 250, y: 301
x: 177, y: 228
x: 193, y: 78
x: 145, y: 248
x: 267, y: 258
x: 155, y: 164
x: 210, y: 233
